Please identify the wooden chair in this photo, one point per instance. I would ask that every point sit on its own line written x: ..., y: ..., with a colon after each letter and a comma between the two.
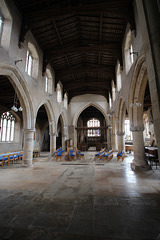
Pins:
x: 11, y: 158
x: 120, y: 155
x: 100, y: 153
x: 71, y: 156
x: 59, y: 153
x: 79, y: 154
x: 108, y: 155
x: 15, y: 156
x: 20, y: 155
x: 5, y: 160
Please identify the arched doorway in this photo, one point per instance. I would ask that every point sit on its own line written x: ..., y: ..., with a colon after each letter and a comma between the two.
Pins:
x: 11, y: 124
x: 91, y: 129
x: 42, y: 138
x: 59, y: 132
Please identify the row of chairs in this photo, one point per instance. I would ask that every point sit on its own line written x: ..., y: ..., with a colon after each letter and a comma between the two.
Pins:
x: 10, y: 157
x: 104, y: 154
x: 71, y: 154
x: 15, y: 156
x: 108, y: 155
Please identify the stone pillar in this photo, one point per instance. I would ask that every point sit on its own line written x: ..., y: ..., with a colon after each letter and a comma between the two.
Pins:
x: 72, y: 134
x: 109, y: 138
x: 28, y: 147
x: 148, y: 13
x: 139, y: 163
x: 120, y: 141
x: 64, y: 136
x: 113, y: 141
x: 52, y: 143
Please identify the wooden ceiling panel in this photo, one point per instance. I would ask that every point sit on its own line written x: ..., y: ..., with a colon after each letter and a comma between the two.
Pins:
x: 81, y: 39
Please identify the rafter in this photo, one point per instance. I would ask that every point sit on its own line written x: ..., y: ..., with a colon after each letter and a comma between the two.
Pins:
x: 107, y: 49
x: 66, y: 72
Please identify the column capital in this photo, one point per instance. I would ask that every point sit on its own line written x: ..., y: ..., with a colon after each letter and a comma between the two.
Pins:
x: 136, y: 128
x: 52, y: 134
x: 120, y: 133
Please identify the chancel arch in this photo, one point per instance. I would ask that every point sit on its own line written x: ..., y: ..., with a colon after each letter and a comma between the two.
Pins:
x: 91, y: 129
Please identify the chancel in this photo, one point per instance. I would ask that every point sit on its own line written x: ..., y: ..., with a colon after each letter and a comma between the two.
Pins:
x: 79, y: 119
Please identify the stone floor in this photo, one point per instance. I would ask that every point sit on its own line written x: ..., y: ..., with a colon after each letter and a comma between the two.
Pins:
x: 84, y: 199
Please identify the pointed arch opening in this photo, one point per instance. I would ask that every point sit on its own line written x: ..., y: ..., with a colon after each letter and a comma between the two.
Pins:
x: 91, y: 129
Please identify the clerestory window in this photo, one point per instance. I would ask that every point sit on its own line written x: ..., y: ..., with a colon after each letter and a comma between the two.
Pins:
x: 29, y: 63
x: 7, y: 127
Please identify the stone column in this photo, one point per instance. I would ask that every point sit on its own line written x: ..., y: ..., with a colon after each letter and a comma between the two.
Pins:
x: 64, y: 136
x: 28, y: 147
x: 139, y: 163
x: 113, y: 141
x: 148, y: 13
x: 52, y: 143
x: 109, y: 138
x: 72, y: 134
x: 121, y: 141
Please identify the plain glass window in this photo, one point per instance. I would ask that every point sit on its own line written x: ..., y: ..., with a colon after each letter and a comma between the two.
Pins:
x: 7, y: 127
x: 29, y: 62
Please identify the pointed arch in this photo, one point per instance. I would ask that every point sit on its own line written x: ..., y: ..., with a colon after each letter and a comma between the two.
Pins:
x: 120, y: 114
x: 21, y: 88
x: 50, y: 113
x: 137, y: 91
x: 75, y: 119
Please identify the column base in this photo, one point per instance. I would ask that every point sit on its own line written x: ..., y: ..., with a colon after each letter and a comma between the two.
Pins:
x: 140, y: 168
x: 27, y: 165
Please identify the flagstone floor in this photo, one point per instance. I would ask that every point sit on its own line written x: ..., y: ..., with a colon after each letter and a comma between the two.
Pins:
x: 83, y: 199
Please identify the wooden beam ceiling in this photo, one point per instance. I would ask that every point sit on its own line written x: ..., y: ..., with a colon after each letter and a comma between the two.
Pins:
x: 81, y: 40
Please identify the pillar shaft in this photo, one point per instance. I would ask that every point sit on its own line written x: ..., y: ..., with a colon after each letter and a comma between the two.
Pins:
x: 120, y: 140
x: 139, y: 163
x: 52, y: 143
x: 28, y: 147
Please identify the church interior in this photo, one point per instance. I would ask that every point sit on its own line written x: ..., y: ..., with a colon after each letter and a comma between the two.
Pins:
x: 80, y: 119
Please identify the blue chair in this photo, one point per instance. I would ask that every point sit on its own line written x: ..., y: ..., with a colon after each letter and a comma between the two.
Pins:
x: 100, y: 153
x: 20, y: 155
x: 79, y: 154
x: 71, y: 155
x: 11, y: 158
x: 120, y: 155
x: 59, y: 153
x: 5, y: 159
x: 108, y: 156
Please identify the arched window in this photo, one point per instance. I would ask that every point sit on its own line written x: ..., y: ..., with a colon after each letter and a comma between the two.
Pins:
x: 59, y: 93
x: 7, y: 127
x: 93, y: 123
x: 119, y: 80
x: 65, y: 100
x: 128, y: 51
x: 29, y: 63
x: 5, y: 25
x: 32, y: 61
x: 48, y: 81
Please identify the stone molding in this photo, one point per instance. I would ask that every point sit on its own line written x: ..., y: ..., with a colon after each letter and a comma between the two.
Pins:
x: 137, y: 128
x: 120, y: 133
